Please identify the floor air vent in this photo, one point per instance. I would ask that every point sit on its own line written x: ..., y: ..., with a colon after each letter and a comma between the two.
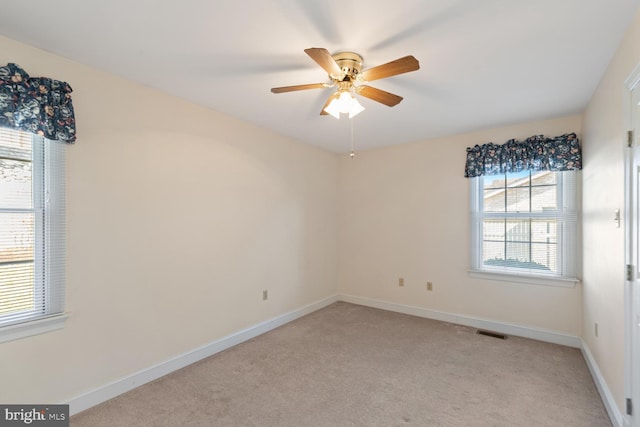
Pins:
x: 491, y: 334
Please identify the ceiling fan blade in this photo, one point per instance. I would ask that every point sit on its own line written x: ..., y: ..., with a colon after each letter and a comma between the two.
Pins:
x: 399, y: 66
x: 298, y: 87
x: 325, y: 60
x: 379, y: 95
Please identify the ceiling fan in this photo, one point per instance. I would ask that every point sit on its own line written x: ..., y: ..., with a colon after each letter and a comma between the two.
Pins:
x: 344, y: 69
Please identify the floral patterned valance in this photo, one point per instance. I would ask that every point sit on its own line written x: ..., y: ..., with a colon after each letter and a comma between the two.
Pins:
x: 37, y: 105
x: 535, y: 153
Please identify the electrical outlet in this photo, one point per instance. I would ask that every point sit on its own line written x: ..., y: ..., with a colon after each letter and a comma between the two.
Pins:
x: 429, y: 286
x: 401, y: 281
x: 595, y: 328
x: 265, y: 295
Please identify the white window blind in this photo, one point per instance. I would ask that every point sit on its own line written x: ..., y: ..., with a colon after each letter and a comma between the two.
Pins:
x: 525, y: 224
x: 32, y: 228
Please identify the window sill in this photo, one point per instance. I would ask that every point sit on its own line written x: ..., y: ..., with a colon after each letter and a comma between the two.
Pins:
x: 562, y: 282
x: 34, y: 327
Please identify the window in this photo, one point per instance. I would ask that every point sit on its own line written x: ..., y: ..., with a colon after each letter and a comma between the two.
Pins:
x: 31, y: 234
x: 524, y: 227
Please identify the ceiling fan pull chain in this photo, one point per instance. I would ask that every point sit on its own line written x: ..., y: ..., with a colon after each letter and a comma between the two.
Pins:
x: 352, y: 154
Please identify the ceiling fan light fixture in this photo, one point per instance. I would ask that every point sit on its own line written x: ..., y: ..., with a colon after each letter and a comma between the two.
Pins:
x: 344, y: 102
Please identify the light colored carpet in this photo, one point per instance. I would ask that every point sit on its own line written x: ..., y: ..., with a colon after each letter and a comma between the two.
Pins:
x: 348, y: 365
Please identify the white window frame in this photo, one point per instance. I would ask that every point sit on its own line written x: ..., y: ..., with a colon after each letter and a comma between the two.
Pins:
x: 48, y: 166
x: 567, y: 254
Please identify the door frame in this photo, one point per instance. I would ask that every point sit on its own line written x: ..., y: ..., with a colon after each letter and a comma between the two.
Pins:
x: 631, y: 83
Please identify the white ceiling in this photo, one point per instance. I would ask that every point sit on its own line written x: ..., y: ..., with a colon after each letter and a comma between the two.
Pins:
x: 484, y: 63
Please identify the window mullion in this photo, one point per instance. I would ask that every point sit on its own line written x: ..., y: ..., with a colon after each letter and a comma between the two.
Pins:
x: 530, y: 219
x: 506, y: 205
x: 40, y: 298
x: 505, y: 240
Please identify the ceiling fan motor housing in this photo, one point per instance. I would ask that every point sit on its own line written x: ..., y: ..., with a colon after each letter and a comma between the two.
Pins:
x: 350, y: 64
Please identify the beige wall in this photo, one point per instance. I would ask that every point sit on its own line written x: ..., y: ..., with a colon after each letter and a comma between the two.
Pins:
x: 178, y: 217
x: 604, y: 130
x: 404, y: 212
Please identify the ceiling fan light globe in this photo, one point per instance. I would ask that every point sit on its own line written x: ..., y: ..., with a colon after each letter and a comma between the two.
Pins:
x: 333, y: 108
x: 356, y: 108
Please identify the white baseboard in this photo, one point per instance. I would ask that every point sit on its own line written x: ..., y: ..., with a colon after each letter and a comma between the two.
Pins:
x: 123, y: 385
x: 607, y: 398
x: 490, y: 325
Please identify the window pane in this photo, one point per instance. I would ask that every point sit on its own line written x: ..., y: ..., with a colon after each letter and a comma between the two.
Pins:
x: 544, y: 198
x: 16, y: 237
x: 495, y: 182
x: 15, y: 184
x: 16, y: 288
x: 494, y: 200
x: 518, y: 255
x: 518, y: 236
x: 518, y: 179
x: 520, y: 192
x: 15, y: 145
x: 518, y: 199
x: 518, y: 230
x: 493, y: 253
x: 517, y: 192
x: 493, y: 240
x: 17, y: 285
x: 544, y: 231
x: 544, y: 246
x: 544, y: 256
x: 520, y: 244
x: 544, y: 178
x: 544, y: 191
x: 493, y: 193
x: 493, y: 230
